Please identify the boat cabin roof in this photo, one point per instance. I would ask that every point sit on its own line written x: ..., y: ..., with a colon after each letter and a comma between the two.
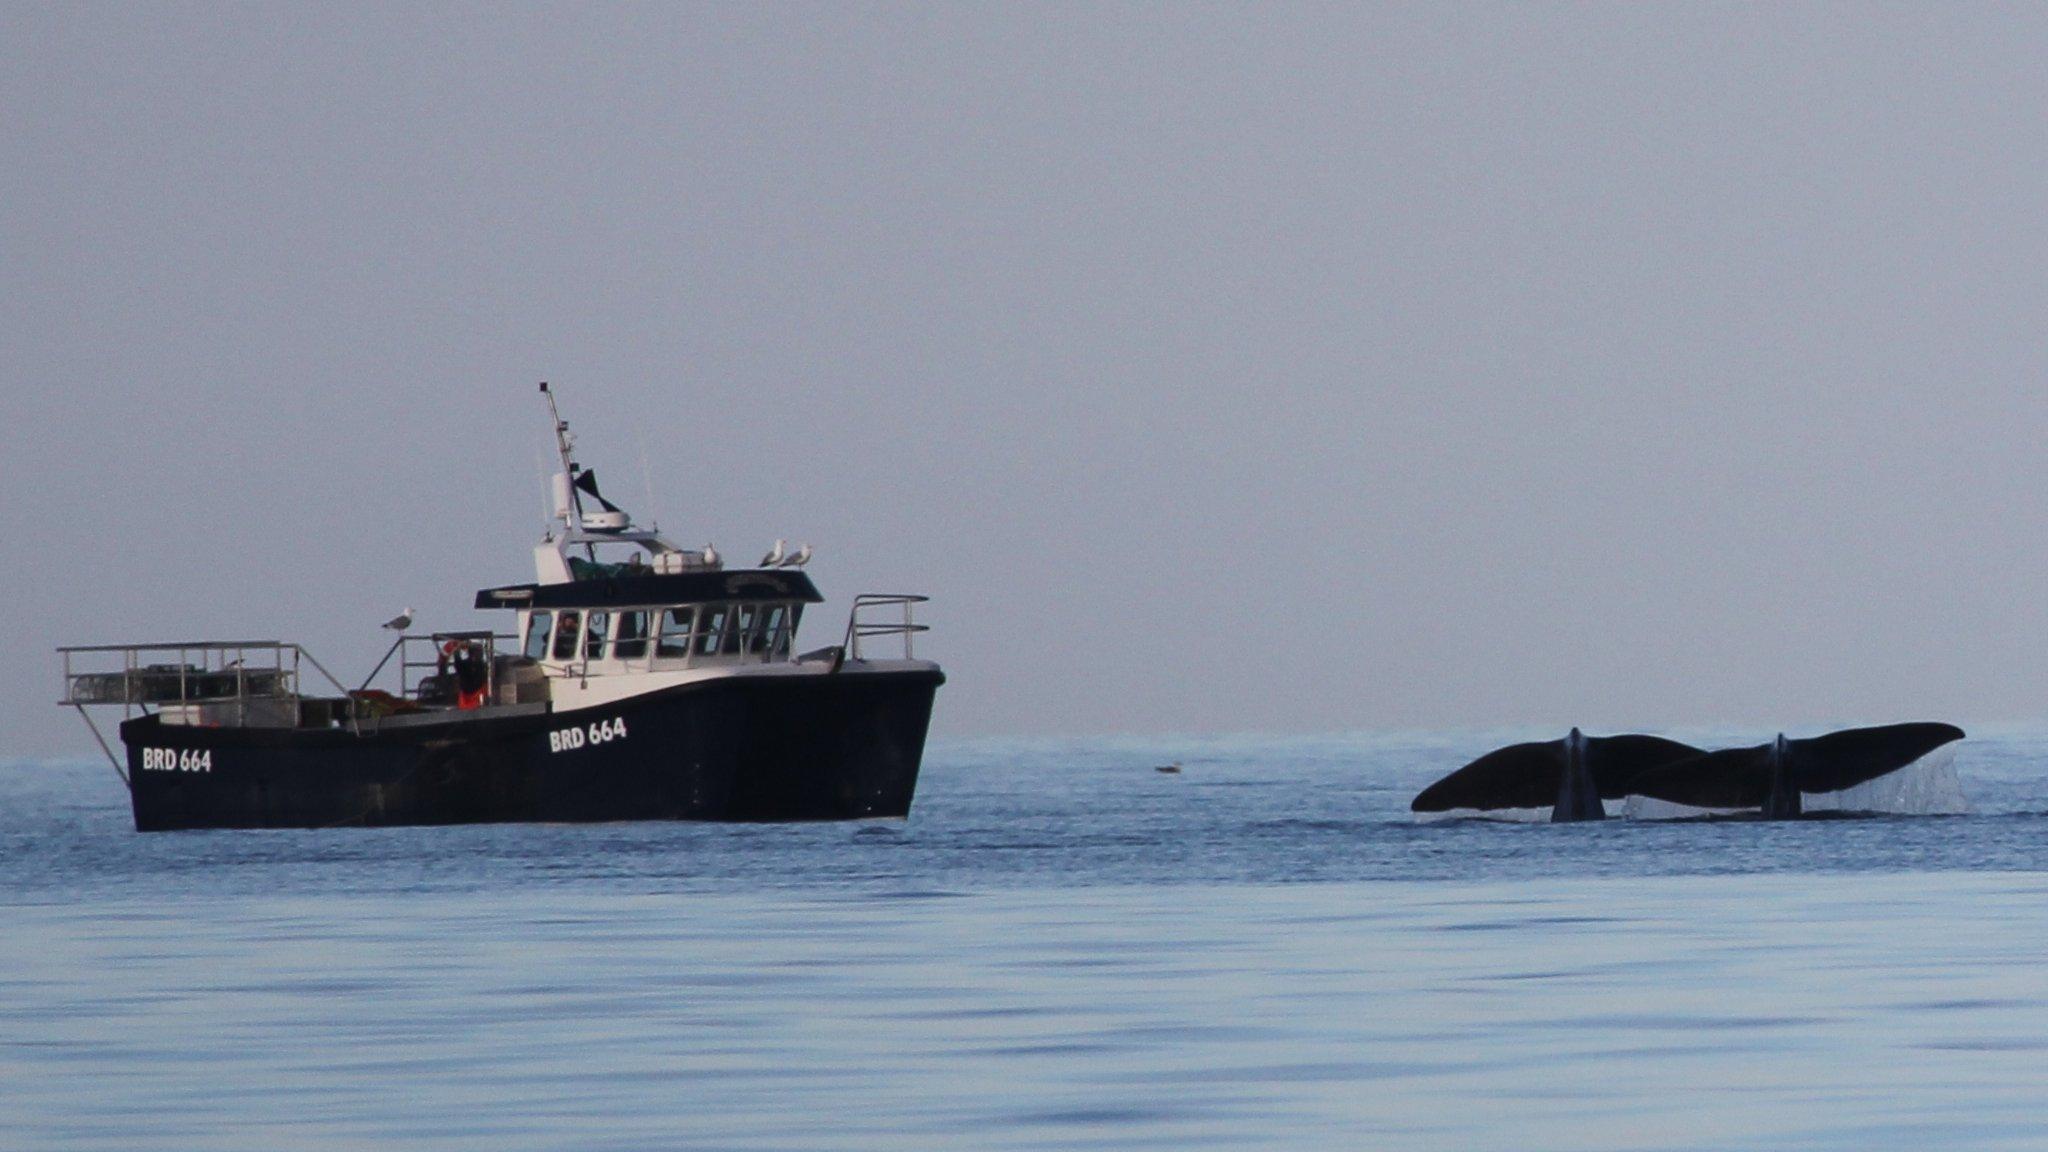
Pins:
x: 675, y: 588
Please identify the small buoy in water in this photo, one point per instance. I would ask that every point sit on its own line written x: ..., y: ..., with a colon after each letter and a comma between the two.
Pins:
x: 1170, y: 769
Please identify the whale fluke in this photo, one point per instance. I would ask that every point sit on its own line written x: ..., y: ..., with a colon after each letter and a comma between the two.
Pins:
x: 1847, y: 758
x: 1571, y: 775
x: 1517, y: 776
x: 1617, y: 760
x: 1729, y: 778
x: 1771, y: 777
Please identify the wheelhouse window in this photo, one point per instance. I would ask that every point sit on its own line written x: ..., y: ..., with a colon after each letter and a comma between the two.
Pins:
x: 566, y: 632
x: 594, y: 635
x: 537, y: 624
x: 713, y: 629
x: 631, y: 642
x: 745, y: 635
x: 748, y: 628
x: 676, y: 626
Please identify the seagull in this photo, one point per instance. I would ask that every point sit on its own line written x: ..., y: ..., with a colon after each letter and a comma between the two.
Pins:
x: 775, y: 554
x: 797, y: 559
x: 400, y: 622
x: 710, y: 556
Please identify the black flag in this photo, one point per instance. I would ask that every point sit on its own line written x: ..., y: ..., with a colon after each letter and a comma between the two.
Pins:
x: 587, y: 482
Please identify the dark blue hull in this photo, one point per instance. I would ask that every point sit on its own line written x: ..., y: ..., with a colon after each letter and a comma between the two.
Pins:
x: 838, y: 747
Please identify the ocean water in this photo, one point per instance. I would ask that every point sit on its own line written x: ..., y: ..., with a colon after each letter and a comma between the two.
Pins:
x: 1061, y: 948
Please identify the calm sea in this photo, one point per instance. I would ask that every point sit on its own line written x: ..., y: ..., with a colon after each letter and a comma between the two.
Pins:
x: 1061, y: 948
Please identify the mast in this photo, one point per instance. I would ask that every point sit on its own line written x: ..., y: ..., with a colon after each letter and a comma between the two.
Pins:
x: 608, y: 524
x: 570, y: 510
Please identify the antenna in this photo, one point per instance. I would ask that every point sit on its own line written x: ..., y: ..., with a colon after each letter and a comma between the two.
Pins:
x: 646, y: 474
x: 563, y: 443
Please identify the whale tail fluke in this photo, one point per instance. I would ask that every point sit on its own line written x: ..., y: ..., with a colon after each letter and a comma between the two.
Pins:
x: 1517, y: 776
x: 1852, y: 756
x: 1618, y: 760
x: 1539, y: 775
x: 1772, y: 776
x: 1729, y: 778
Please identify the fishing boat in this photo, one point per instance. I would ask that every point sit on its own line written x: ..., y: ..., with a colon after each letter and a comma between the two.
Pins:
x: 640, y: 680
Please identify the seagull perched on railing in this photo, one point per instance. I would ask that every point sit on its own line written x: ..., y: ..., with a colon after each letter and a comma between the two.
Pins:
x: 400, y: 622
x: 796, y: 559
x: 775, y: 554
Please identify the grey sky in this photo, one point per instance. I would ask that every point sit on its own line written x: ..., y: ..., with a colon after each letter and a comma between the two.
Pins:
x: 1214, y: 368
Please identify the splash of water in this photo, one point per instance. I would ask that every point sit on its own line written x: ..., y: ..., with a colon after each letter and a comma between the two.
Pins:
x: 1926, y: 787
x: 1497, y: 815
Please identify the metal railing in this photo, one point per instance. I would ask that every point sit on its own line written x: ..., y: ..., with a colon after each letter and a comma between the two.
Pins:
x: 220, y: 673
x: 858, y: 629
x: 211, y: 681
x: 413, y: 669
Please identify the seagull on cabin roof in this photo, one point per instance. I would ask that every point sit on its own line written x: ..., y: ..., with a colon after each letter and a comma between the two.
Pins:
x: 400, y: 622
x: 775, y: 554
x: 796, y: 559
